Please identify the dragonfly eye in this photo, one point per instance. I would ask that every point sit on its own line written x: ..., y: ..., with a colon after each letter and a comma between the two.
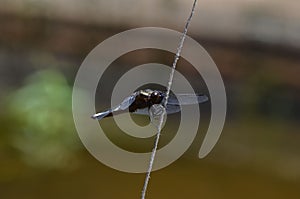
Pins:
x: 156, y: 97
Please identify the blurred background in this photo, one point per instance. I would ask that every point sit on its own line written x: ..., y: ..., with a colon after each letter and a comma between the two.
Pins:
x: 255, y: 44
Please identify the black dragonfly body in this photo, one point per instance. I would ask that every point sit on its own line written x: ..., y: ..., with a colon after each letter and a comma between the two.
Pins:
x: 141, y: 101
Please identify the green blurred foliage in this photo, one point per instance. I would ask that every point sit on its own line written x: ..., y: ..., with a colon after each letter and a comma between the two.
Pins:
x: 46, y: 136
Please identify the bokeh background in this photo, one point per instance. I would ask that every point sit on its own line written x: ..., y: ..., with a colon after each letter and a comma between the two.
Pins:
x: 256, y: 45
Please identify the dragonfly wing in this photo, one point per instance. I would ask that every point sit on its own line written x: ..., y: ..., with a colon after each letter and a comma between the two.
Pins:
x: 121, y: 107
x: 187, y: 99
x: 126, y: 102
x: 170, y: 109
x: 173, y: 108
x: 144, y: 111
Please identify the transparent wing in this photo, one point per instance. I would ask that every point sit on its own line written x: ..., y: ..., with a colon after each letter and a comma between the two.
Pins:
x: 143, y: 111
x: 121, y: 107
x: 170, y: 109
x: 187, y: 99
x: 173, y: 109
x: 126, y: 102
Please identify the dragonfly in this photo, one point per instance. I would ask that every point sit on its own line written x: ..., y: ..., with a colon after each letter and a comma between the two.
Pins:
x: 140, y: 102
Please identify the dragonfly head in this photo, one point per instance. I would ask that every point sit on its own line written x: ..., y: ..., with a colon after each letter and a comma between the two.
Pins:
x: 156, y: 97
